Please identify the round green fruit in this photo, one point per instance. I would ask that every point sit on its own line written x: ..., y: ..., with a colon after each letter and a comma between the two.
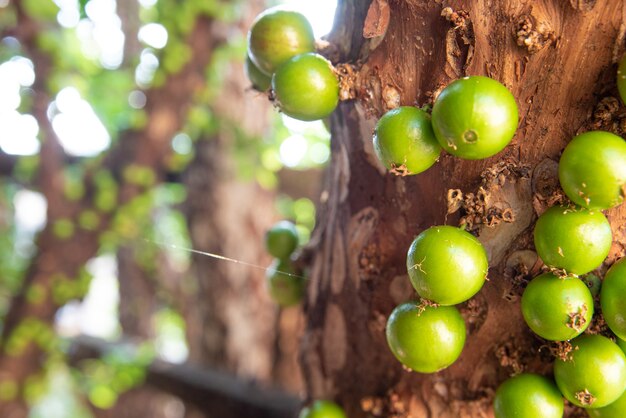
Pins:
x: 260, y: 81
x: 426, y: 338
x: 281, y: 239
x: 277, y: 35
x: 613, y: 298
x: 447, y: 265
x: 594, y: 374
x: 306, y: 87
x: 285, y: 285
x: 592, y: 170
x: 528, y: 395
x: 404, y: 141
x: 557, y: 309
x: 323, y: 409
x: 621, y: 78
x: 574, y: 239
x: 616, y: 409
x: 622, y: 344
x: 474, y: 117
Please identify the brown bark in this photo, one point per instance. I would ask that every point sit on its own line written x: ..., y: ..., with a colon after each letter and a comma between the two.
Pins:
x: 558, y: 59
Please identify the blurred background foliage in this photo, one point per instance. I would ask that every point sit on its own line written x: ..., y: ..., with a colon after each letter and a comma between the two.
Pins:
x: 100, y: 60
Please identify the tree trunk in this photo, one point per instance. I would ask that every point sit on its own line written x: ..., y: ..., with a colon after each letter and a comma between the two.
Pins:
x: 558, y: 59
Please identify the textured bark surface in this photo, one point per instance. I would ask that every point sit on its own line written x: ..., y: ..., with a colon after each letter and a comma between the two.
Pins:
x: 558, y: 59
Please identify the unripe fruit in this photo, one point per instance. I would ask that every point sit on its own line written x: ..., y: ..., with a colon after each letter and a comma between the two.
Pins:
x: 306, y: 87
x: 594, y: 374
x: 284, y: 284
x: 557, y: 309
x: 404, y: 141
x: 277, y: 35
x: 426, y: 338
x: 447, y: 265
x: 474, y: 117
x: 323, y: 409
x: 574, y: 239
x: 613, y: 298
x: 260, y: 81
x: 592, y: 170
x: 281, y: 239
x: 528, y: 395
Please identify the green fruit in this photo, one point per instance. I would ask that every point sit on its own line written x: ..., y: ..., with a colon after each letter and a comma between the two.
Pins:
x: 594, y: 374
x: 574, y: 239
x: 306, y: 87
x: 404, y: 141
x: 616, y: 409
x: 613, y: 298
x: 622, y: 344
x: 621, y: 78
x: 528, y: 395
x: 285, y: 286
x: 592, y: 170
x: 277, y: 35
x: 474, y: 117
x: 323, y: 409
x: 593, y: 283
x: 281, y: 239
x: 260, y: 81
x: 557, y: 309
x: 426, y: 339
x: 447, y: 265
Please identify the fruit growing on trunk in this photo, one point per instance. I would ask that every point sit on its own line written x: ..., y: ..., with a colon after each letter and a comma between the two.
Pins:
x: 475, y: 117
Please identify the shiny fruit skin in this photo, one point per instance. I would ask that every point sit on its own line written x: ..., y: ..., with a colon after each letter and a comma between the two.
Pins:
x: 613, y: 298
x: 447, y: 265
x: 276, y: 36
x: 528, y: 395
x: 404, y: 141
x: 260, y: 81
x: 306, y: 87
x: 594, y: 375
x: 426, y: 339
x: 281, y: 239
x: 574, y: 239
x: 557, y: 309
x: 322, y: 409
x: 621, y: 78
x: 285, y: 289
x: 622, y: 344
x: 592, y: 170
x: 615, y: 409
x: 475, y: 117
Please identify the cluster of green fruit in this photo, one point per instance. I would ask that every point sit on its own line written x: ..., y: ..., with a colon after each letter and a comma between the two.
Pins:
x: 558, y: 306
x: 472, y: 118
x: 446, y: 266
x: 281, y: 55
x: 285, y: 284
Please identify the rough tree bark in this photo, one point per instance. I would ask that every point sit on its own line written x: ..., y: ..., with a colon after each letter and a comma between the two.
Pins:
x: 558, y: 59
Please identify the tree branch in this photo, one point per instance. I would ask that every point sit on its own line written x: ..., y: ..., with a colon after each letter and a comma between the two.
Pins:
x: 219, y: 394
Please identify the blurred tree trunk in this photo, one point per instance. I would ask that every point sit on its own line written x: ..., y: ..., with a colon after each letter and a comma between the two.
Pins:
x: 232, y: 324
x: 558, y: 58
